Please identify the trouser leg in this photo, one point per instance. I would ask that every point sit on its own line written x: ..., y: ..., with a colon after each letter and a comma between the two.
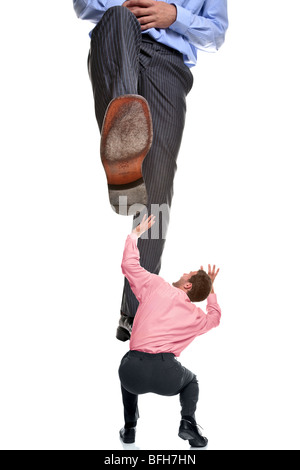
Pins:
x: 113, y: 59
x: 164, y: 82
x: 121, y: 63
x: 189, y: 396
x: 130, y: 403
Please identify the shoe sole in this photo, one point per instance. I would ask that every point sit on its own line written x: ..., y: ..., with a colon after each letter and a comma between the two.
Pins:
x: 186, y: 436
x: 126, y: 139
x: 122, y: 334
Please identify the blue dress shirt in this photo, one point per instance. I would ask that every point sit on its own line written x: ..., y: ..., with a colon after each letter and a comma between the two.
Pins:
x: 200, y: 24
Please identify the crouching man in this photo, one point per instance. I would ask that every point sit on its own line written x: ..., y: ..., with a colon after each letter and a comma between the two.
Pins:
x: 167, y: 321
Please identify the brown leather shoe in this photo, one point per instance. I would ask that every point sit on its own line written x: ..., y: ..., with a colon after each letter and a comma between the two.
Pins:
x: 126, y: 139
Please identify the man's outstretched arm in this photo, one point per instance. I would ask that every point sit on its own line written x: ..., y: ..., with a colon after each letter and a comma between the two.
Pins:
x: 213, y: 311
x: 139, y: 278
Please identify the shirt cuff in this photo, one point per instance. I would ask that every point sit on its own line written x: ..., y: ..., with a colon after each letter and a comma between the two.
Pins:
x: 183, y: 20
x: 212, y: 299
x: 114, y: 3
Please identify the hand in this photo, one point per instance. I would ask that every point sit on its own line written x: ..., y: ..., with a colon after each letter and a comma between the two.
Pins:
x: 212, y: 274
x: 144, y: 225
x: 152, y: 14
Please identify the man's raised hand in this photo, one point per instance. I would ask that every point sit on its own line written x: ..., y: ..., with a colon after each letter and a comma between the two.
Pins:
x: 144, y: 225
x: 212, y: 274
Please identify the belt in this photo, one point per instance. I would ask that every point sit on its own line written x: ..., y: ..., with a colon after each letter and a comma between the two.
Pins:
x: 159, y: 356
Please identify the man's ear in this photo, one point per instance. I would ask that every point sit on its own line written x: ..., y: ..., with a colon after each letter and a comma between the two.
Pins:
x: 188, y: 286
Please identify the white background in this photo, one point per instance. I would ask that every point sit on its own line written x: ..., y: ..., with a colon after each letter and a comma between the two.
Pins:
x: 236, y: 204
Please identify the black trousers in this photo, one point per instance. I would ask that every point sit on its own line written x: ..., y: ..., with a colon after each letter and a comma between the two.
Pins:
x: 123, y: 61
x: 156, y: 373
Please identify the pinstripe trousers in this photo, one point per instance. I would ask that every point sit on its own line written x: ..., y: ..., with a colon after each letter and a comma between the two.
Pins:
x: 123, y: 61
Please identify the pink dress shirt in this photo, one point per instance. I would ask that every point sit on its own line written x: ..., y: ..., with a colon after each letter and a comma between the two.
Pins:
x: 166, y: 320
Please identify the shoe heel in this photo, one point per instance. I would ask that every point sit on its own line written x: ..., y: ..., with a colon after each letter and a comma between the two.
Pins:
x: 128, y: 199
x: 129, y: 438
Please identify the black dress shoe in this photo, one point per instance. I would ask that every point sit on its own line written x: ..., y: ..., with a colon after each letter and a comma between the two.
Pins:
x: 191, y: 432
x: 128, y: 435
x: 124, y: 328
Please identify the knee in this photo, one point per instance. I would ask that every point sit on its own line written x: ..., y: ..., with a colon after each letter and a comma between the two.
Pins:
x: 117, y: 18
x: 195, y: 380
x: 194, y: 383
x: 195, y: 387
x: 117, y: 13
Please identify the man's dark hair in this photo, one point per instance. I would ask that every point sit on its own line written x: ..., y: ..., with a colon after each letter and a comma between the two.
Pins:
x: 201, y: 286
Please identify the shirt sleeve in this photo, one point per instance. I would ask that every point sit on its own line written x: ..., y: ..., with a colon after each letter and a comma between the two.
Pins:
x: 213, y: 315
x: 205, y: 31
x: 140, y: 279
x: 93, y: 10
